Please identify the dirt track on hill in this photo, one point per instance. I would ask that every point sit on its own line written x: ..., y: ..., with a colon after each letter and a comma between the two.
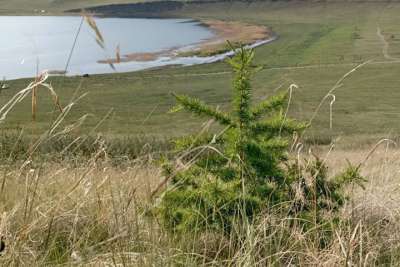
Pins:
x: 274, y: 68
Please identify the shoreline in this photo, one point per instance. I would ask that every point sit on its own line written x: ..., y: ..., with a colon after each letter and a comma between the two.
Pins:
x: 233, y: 31
x: 210, y: 50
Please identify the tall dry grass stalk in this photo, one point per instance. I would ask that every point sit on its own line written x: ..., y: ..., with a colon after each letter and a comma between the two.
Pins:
x: 99, y: 37
x: 40, y: 81
x: 32, y: 88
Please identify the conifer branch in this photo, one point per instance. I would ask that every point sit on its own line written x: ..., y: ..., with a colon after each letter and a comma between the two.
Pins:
x: 274, y: 126
x: 242, y: 98
x: 202, y: 109
x: 242, y: 67
x: 273, y: 103
x: 189, y: 141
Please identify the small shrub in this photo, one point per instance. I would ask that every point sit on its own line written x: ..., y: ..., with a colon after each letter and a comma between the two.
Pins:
x: 228, y: 178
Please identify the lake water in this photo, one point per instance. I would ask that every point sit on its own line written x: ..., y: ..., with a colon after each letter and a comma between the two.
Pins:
x: 29, y: 43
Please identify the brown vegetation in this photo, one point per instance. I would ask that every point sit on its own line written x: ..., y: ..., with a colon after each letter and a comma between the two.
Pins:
x: 235, y: 32
x: 93, y: 214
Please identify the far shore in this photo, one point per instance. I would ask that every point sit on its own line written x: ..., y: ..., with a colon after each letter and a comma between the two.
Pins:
x: 232, y: 31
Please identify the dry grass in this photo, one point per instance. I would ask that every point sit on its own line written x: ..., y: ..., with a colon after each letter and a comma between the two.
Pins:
x: 53, y: 213
x: 381, y: 197
x: 90, y: 213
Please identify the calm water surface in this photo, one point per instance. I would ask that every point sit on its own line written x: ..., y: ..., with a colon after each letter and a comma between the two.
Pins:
x: 44, y: 43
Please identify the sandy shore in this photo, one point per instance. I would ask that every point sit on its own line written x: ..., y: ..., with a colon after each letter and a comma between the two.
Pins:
x: 235, y: 32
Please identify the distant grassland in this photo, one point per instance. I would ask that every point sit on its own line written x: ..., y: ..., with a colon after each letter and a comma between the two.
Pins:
x: 318, y: 43
x: 18, y: 7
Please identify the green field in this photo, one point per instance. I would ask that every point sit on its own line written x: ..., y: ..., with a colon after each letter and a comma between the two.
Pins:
x: 318, y: 43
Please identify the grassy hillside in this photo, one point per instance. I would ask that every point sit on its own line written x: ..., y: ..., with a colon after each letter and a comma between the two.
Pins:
x: 19, y: 7
x: 318, y: 43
